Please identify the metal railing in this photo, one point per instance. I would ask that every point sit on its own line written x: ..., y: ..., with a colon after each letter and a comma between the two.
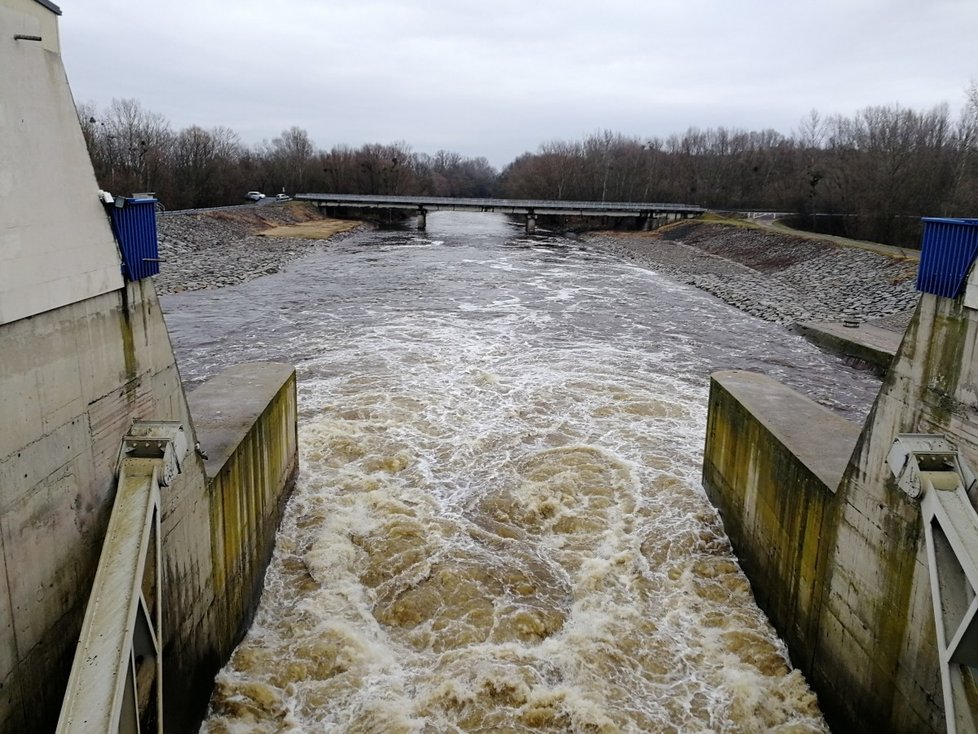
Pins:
x: 116, y: 678
x: 505, y: 206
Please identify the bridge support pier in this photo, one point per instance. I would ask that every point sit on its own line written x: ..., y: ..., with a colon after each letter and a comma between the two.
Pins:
x: 422, y: 219
x: 531, y: 222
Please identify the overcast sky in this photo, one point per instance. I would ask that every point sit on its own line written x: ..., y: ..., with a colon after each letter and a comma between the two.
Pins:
x: 500, y: 78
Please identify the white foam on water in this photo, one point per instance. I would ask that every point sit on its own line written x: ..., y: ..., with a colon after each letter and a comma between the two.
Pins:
x: 490, y: 541
x: 498, y: 526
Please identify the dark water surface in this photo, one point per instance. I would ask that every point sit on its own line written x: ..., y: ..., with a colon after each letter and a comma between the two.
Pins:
x: 498, y: 524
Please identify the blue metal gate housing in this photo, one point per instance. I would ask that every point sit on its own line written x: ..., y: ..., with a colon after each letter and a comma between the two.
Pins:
x: 134, y: 225
x: 946, y: 254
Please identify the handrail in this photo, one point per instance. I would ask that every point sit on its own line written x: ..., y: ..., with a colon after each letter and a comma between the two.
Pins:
x: 116, y: 678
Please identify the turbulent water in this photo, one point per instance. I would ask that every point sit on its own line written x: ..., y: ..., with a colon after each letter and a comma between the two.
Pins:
x: 498, y: 524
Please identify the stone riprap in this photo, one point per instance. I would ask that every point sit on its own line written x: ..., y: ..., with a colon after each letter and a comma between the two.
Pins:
x: 774, y: 276
x: 211, y: 249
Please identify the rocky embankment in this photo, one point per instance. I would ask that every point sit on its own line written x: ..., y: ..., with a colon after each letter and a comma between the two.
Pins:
x: 774, y: 276
x: 211, y: 249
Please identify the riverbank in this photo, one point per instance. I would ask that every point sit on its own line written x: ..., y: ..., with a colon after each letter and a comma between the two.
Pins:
x: 212, y: 249
x: 775, y: 276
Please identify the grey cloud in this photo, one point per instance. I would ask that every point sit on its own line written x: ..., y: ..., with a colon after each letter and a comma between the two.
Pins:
x: 500, y: 79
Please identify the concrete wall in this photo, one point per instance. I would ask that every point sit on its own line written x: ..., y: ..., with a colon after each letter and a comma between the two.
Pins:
x: 877, y: 634
x: 861, y: 627
x: 246, y: 424
x: 82, y: 356
x: 72, y: 381
x: 773, y: 461
x: 56, y: 245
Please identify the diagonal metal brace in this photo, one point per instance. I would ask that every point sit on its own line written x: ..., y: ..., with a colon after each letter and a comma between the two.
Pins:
x: 115, y: 685
x: 931, y: 468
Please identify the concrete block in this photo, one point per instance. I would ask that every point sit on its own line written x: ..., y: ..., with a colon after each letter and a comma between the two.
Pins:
x: 865, y: 343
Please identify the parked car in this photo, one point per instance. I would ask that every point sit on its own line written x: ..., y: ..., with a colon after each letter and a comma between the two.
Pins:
x: 283, y: 197
x: 255, y: 195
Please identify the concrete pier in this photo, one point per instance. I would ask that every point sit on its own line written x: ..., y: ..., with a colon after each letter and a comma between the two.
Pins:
x: 773, y: 463
x: 865, y: 343
x: 840, y: 562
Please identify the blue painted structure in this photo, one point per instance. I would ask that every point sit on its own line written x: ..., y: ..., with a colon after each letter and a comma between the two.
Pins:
x: 134, y: 225
x: 946, y: 254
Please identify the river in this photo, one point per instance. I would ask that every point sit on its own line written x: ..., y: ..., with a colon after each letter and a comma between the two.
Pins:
x: 498, y: 523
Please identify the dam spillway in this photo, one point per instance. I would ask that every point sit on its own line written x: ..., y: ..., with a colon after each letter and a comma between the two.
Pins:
x: 498, y: 521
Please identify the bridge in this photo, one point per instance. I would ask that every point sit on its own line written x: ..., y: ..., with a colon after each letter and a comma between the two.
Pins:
x: 647, y: 213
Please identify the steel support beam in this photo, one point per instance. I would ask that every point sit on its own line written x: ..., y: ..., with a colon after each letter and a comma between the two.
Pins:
x: 116, y: 680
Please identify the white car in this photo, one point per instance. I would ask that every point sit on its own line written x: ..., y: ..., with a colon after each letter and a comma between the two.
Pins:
x: 283, y: 197
x: 255, y: 195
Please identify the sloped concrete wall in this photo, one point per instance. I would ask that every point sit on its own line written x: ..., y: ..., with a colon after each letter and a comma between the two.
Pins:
x: 877, y: 635
x: 56, y: 245
x: 72, y: 381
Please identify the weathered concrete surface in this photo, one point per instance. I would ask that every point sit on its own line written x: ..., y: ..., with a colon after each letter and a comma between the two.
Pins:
x: 57, y: 245
x: 72, y: 381
x: 245, y: 420
x: 863, y: 631
x: 772, y: 463
x: 83, y: 356
x: 227, y: 407
x: 875, y: 662
x: 865, y: 343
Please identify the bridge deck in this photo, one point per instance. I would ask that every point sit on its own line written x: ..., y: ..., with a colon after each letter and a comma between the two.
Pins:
x: 504, y: 206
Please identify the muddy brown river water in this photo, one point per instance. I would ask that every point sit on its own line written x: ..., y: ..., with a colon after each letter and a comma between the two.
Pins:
x: 498, y: 524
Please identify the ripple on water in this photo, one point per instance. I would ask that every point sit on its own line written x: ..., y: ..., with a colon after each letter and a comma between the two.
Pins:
x: 498, y: 524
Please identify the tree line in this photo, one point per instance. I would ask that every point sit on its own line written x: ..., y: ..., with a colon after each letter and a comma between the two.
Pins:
x: 871, y: 175
x: 137, y: 150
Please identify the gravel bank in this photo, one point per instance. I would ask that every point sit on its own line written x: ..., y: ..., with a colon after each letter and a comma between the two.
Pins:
x: 774, y: 276
x: 219, y: 248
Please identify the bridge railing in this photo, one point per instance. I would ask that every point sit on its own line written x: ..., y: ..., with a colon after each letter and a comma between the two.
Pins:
x: 511, y: 205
